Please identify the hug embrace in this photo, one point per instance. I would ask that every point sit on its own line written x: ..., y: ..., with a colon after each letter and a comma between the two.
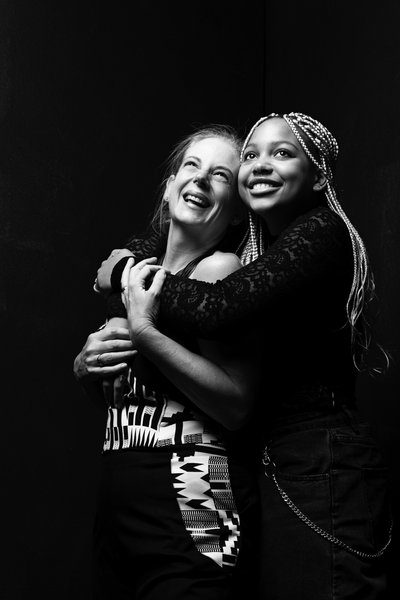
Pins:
x: 236, y: 461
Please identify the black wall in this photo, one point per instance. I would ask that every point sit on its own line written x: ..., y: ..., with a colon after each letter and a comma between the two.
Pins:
x: 92, y: 97
x: 339, y: 61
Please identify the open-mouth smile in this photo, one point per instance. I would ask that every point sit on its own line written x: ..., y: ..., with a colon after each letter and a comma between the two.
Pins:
x: 197, y: 200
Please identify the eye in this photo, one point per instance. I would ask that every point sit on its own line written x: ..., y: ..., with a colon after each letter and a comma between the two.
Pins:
x: 190, y: 163
x: 249, y: 155
x: 283, y: 153
x: 221, y: 175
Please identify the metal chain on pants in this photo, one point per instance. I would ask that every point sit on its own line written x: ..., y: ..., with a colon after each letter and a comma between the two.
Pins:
x: 269, y: 472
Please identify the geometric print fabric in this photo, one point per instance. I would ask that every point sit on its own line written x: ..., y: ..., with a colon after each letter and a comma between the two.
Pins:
x: 152, y: 419
x: 205, y: 498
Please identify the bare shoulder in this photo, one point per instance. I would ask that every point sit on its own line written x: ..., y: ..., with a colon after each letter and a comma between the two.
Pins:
x: 217, y: 266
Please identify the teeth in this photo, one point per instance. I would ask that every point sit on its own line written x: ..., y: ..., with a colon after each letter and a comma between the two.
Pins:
x: 198, y: 201
x: 263, y: 186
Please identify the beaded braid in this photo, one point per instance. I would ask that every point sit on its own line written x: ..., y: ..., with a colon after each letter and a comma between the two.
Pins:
x: 362, y: 287
x: 253, y: 244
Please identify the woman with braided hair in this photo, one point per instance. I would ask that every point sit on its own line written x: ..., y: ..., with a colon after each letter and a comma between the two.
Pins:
x: 306, y: 285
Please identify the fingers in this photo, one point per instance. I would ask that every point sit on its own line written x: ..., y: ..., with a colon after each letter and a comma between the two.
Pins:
x: 122, y: 349
x: 158, y: 282
x: 109, y: 333
x: 146, y: 261
x: 115, y: 251
x: 120, y: 252
x: 104, y: 359
x: 113, y: 345
x: 125, y: 273
x: 99, y: 354
x: 143, y: 277
x: 109, y: 371
x: 80, y: 369
x: 144, y: 267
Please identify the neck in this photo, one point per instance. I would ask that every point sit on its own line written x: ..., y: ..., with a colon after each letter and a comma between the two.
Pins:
x: 182, y: 248
x: 279, y: 219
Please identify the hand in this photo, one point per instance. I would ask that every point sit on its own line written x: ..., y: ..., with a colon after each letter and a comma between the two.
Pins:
x: 105, y: 354
x: 141, y: 288
x: 102, y: 283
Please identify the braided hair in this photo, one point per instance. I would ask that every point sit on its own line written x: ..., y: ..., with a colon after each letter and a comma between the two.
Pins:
x: 321, y: 147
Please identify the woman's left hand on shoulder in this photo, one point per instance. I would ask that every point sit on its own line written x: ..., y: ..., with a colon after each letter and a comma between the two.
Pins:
x: 141, y: 288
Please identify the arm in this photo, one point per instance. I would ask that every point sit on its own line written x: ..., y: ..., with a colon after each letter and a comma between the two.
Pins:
x: 314, y: 246
x: 103, y: 282
x: 139, y: 247
x: 108, y: 383
x: 220, y: 383
x: 110, y: 272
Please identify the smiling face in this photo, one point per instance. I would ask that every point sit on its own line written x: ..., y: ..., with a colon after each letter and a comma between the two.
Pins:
x: 276, y: 179
x: 202, y: 195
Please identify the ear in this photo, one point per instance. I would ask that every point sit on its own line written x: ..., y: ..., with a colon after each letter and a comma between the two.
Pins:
x: 170, y: 179
x: 320, y: 182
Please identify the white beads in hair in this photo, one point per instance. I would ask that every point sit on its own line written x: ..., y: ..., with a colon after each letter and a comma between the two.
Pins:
x: 254, y: 241
x: 363, y: 284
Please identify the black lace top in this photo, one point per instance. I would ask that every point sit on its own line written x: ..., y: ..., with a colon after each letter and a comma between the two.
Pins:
x: 294, y: 294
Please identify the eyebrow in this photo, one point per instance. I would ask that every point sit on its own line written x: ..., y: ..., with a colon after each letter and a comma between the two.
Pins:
x: 276, y: 143
x: 273, y: 143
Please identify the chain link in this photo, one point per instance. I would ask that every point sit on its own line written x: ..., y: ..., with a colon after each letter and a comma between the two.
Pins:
x: 270, y: 465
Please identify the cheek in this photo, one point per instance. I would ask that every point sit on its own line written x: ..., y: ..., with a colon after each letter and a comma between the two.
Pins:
x: 177, y: 188
x: 242, y: 175
x: 242, y: 189
x: 295, y: 179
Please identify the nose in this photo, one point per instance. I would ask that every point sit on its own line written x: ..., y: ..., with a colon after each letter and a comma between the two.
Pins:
x: 262, y: 166
x: 201, y: 178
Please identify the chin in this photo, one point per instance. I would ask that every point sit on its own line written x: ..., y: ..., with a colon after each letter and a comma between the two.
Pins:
x: 262, y: 206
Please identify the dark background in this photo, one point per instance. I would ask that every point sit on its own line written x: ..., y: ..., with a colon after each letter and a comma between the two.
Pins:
x: 92, y: 97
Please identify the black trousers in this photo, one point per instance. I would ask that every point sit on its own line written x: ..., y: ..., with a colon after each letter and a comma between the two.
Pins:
x: 174, y: 525
x: 333, y: 472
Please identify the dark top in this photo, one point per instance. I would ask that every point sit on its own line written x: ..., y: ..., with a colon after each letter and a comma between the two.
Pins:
x: 295, y: 294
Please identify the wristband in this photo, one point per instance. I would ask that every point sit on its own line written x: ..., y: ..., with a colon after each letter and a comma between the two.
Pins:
x: 116, y: 274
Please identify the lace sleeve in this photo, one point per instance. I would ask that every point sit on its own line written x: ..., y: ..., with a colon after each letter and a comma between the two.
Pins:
x: 143, y: 246
x: 146, y: 245
x: 309, y: 248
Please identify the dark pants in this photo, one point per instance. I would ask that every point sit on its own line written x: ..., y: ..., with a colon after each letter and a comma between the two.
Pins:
x: 154, y: 537
x: 333, y: 472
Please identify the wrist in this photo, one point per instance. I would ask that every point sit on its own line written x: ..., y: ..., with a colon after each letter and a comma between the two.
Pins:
x: 142, y: 332
x: 116, y: 274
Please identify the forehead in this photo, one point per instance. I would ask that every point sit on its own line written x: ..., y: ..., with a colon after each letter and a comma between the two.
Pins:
x: 214, y: 150
x: 273, y: 130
